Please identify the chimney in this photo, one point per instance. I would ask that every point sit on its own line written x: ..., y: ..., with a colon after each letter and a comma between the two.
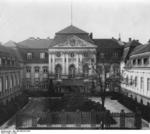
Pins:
x: 91, y: 35
x: 130, y: 39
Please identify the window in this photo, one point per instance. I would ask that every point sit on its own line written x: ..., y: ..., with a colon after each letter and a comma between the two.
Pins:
x: 145, y: 60
x: 29, y: 56
x: 134, y: 61
x: 131, y: 81
x: 148, y: 84
x: 72, y: 54
x: 142, y: 83
x: 127, y: 80
x: 42, y: 55
x: 37, y: 69
x: 58, y: 54
x: 45, y: 69
x: 85, y: 54
x: 139, y: 61
x: 28, y: 69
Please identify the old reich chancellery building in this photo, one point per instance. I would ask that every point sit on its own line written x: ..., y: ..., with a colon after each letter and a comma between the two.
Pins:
x: 66, y: 63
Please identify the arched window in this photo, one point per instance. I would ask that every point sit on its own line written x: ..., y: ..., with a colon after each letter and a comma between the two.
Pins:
x: 72, y: 54
x: 58, y: 54
x: 72, y: 71
x: 86, y: 70
x: 58, y: 70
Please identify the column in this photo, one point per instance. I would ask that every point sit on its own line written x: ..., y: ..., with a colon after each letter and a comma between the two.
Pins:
x: 77, y: 63
x: 53, y: 65
x: 67, y: 64
x: 81, y: 60
x: 63, y: 64
x: 50, y: 63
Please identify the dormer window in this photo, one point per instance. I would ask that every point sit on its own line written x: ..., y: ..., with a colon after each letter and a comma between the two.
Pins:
x: 29, y: 56
x: 42, y: 55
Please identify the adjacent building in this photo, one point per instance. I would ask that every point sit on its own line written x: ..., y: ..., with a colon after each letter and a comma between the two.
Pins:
x: 11, y: 73
x: 135, y: 69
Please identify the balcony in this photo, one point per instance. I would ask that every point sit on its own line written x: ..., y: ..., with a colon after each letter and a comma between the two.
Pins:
x: 72, y: 59
x: 58, y: 59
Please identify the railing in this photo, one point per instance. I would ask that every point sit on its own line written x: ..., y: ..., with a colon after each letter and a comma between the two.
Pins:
x: 79, y: 119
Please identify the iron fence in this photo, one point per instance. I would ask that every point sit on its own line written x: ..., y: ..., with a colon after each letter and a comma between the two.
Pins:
x: 78, y: 119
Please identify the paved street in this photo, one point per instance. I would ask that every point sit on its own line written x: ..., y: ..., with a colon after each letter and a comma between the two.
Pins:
x: 38, y: 104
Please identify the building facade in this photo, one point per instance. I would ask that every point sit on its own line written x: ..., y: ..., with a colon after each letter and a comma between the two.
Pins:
x: 69, y: 60
x: 73, y: 56
x: 11, y: 74
x: 35, y: 55
x: 136, y: 73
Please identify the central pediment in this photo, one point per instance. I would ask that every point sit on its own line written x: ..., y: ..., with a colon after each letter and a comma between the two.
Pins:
x: 75, y: 42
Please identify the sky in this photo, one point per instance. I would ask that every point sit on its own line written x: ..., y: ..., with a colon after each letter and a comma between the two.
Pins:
x: 21, y: 19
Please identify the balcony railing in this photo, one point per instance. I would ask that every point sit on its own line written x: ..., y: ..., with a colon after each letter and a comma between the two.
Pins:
x: 72, y: 59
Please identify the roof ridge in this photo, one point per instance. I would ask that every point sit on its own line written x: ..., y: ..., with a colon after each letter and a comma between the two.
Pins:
x: 71, y: 29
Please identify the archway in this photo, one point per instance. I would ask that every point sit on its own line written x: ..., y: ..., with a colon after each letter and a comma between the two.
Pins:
x: 58, y: 70
x: 85, y: 70
x: 72, y: 71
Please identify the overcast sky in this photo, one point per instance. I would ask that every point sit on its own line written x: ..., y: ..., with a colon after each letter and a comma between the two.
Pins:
x: 42, y: 18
